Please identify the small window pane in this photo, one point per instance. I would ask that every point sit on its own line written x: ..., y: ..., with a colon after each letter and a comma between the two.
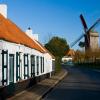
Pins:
x: 5, y: 59
x: 18, y: 59
x: 25, y: 60
x: 5, y: 70
x: 26, y: 70
x: 18, y: 71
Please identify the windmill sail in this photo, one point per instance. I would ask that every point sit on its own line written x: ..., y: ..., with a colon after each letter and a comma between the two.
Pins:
x: 94, y: 25
x: 84, y: 23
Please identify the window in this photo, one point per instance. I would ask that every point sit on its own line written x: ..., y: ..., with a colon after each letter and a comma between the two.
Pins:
x: 4, y: 67
x: 32, y: 65
x: 11, y: 68
x: 26, y: 69
x: 17, y: 66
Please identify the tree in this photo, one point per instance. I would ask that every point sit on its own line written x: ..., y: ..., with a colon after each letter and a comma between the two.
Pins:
x: 57, y: 46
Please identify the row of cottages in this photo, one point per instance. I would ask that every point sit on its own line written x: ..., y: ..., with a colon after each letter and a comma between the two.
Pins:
x: 21, y: 55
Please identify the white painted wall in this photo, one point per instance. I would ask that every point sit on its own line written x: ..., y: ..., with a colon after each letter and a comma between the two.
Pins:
x: 13, y: 48
x: 48, y: 63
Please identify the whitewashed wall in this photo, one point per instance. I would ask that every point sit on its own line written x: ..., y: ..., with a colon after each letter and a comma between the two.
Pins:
x: 48, y: 63
x: 13, y: 48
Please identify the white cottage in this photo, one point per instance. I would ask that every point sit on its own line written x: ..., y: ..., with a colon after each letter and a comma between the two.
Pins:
x: 21, y: 56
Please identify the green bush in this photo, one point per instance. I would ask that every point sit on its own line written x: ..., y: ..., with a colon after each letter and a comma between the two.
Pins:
x: 58, y: 64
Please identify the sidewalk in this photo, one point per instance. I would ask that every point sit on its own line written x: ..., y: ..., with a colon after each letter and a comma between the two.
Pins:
x: 39, y: 90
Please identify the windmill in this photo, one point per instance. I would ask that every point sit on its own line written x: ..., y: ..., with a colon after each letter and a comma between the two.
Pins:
x: 89, y: 36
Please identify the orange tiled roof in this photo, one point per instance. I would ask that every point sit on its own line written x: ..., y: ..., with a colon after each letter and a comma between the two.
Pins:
x: 71, y: 52
x: 12, y: 33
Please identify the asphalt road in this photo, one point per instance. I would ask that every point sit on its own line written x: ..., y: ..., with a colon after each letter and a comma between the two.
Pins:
x: 80, y: 84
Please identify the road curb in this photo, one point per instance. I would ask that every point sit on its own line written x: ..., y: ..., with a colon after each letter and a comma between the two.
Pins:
x: 52, y: 87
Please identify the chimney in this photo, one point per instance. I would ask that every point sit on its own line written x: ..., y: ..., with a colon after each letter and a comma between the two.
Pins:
x: 29, y: 32
x: 3, y: 10
x: 35, y: 36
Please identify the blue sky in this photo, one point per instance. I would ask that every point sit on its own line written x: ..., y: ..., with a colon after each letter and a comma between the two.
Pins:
x: 53, y: 17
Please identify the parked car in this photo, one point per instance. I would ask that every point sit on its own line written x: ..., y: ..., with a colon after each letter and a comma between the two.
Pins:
x: 66, y: 59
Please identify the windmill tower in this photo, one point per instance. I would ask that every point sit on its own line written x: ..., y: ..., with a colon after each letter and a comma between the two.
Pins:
x: 94, y: 41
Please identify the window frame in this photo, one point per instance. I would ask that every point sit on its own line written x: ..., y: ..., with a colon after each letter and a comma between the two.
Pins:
x: 18, y: 77
x: 4, y: 66
x: 26, y: 66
